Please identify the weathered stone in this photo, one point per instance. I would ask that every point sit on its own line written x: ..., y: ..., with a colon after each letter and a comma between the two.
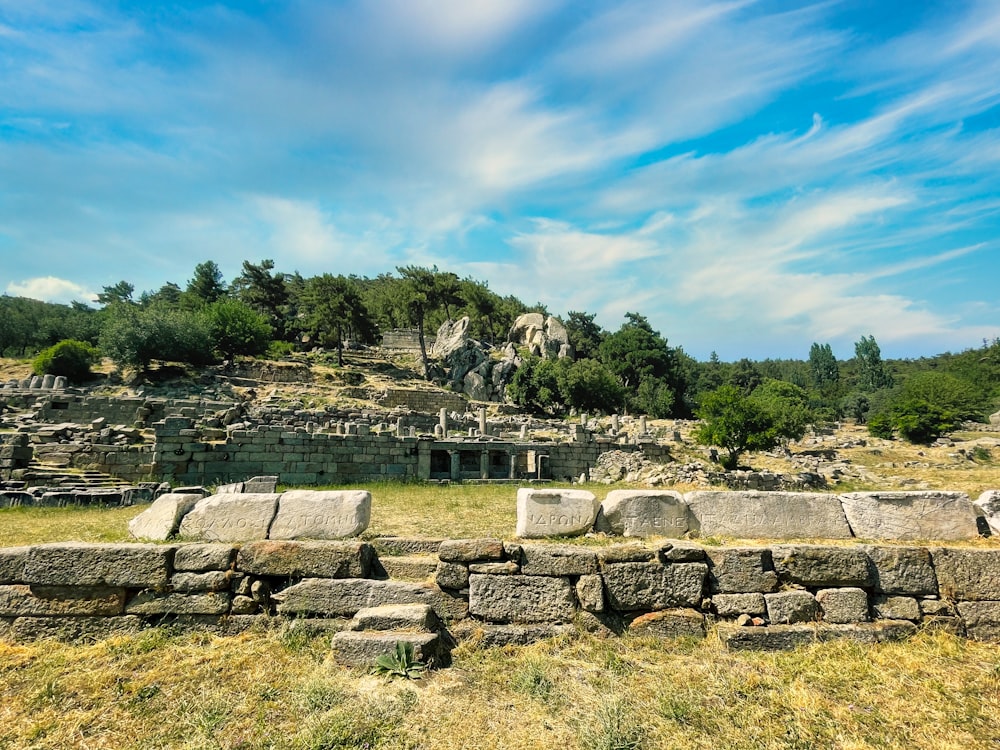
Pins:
x: 213, y: 580
x: 73, y: 629
x: 83, y: 564
x: 988, y: 506
x: 470, y: 550
x: 545, y: 513
x: 557, y: 560
x: 815, y: 565
x: 670, y: 623
x: 967, y: 574
x: 12, y: 563
x: 982, y: 620
x: 198, y: 558
x: 734, y: 605
x: 397, y: 545
x: 525, y: 599
x: 314, y: 514
x: 681, y: 552
x: 162, y: 519
x: 495, y: 635
x: 344, y: 597
x: 507, y: 568
x: 896, y: 608
x: 230, y: 518
x: 772, y: 638
x: 451, y: 575
x: 243, y: 605
x: 926, y: 514
x: 843, y: 605
x: 879, y: 631
x: 936, y: 607
x: 902, y: 570
x: 643, y: 513
x: 60, y: 601
x: 753, y: 514
x: 741, y: 570
x: 625, y: 553
x: 417, y: 617
x: 153, y: 603
x: 297, y: 559
x: 652, y: 586
x: 590, y: 593
x: 409, y: 567
x: 790, y: 607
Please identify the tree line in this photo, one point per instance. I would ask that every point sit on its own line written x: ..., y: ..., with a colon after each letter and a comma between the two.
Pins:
x: 632, y: 369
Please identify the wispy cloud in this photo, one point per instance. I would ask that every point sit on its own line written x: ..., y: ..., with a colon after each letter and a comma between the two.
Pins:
x: 51, y: 289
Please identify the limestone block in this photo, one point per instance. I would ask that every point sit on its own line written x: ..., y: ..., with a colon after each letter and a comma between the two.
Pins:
x: 12, y: 564
x: 625, y: 553
x: 879, y: 631
x: 643, y: 513
x: 545, y: 513
x: 988, y: 506
x: 451, y: 575
x: 61, y: 601
x: 213, y: 580
x: 843, y: 605
x: 332, y: 514
x: 84, y: 564
x: 968, y: 574
x: 982, y: 620
x: 754, y: 514
x: 295, y: 559
x: 162, y: 519
x: 790, y: 607
x: 734, y: 605
x: 590, y: 593
x: 153, y: 603
x: 772, y: 638
x: 652, y: 586
x: 557, y: 560
x: 396, y: 617
x: 925, y: 514
x: 73, y: 629
x: 902, y: 570
x: 741, y: 570
x: 395, y: 545
x: 469, y: 550
x: 410, y: 567
x: 670, y: 623
x: 817, y: 565
x: 344, y: 597
x: 230, y: 518
x: 896, y: 608
x: 681, y: 552
x: 506, y: 568
x: 360, y: 649
x: 521, y: 598
x: 198, y: 558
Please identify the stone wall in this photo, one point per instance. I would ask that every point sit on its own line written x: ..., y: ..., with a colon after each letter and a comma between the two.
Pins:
x: 503, y: 592
x: 422, y: 401
x: 15, y: 453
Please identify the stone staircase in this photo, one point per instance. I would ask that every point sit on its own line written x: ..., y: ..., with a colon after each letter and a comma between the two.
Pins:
x: 375, y: 631
x: 39, y: 474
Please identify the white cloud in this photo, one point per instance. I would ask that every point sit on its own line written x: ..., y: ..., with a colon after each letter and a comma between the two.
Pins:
x: 51, y: 289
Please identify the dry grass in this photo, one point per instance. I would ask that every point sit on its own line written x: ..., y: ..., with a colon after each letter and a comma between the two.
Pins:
x: 274, y: 690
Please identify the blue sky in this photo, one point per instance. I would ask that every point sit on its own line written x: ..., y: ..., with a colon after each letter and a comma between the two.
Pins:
x: 751, y: 176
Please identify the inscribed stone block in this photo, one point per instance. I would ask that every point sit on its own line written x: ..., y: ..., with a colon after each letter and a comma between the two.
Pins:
x: 332, y: 514
x: 643, y: 513
x: 230, y: 518
x: 754, y: 514
x: 925, y: 514
x: 162, y: 519
x: 545, y: 513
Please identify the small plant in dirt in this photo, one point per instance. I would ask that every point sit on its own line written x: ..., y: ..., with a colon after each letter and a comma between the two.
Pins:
x: 402, y: 662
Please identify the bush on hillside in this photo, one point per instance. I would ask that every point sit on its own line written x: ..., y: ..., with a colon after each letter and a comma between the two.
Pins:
x: 70, y: 358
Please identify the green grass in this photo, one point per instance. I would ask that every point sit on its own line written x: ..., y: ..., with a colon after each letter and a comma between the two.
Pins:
x: 252, y: 692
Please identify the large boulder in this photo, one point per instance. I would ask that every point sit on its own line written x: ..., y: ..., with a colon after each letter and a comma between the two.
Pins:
x: 451, y: 336
x: 988, y: 507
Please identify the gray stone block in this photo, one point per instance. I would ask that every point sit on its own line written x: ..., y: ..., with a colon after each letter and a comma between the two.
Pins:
x: 409, y: 567
x: 360, y: 649
x: 449, y: 575
x: 741, y: 570
x: 982, y: 620
x: 213, y: 580
x: 83, y: 564
x: 345, y: 597
x: 816, y: 565
x: 902, y: 570
x: 967, y: 574
x: 12, y: 563
x: 470, y: 550
x: 230, y: 518
x: 199, y: 558
x: 896, y: 608
x: 670, y: 623
x: 590, y: 593
x: 297, y: 559
x: 557, y: 560
x: 772, y: 638
x: 790, y: 607
x: 414, y: 617
x: 925, y: 514
x: 556, y: 512
x: 843, y: 605
x: 643, y: 513
x: 523, y: 599
x: 73, y: 629
x: 154, y: 603
x: 625, y: 553
x: 61, y: 601
x: 988, y: 506
x: 652, y: 586
x: 734, y: 605
x: 331, y: 514
x: 753, y: 514
x: 162, y: 519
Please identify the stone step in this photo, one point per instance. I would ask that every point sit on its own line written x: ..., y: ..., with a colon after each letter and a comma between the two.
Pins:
x: 361, y: 648
x: 412, y: 617
x: 416, y: 568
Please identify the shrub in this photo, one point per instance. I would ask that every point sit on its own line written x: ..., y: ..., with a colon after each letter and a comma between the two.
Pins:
x: 69, y: 357
x: 237, y: 329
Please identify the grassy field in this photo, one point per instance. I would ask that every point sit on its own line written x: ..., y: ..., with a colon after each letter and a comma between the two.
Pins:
x: 280, y: 690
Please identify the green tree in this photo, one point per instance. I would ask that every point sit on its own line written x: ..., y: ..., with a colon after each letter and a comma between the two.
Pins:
x: 584, y: 334
x: 823, y: 368
x: 236, y: 328
x: 482, y: 306
x: 745, y: 375
x: 70, y: 358
x: 926, y: 406
x: 872, y: 374
x: 207, y: 285
x: 331, y: 307
x: 786, y: 406
x: 120, y: 292
x: 135, y: 337
x: 536, y: 385
x: 265, y: 292
x: 418, y: 299
x: 588, y: 385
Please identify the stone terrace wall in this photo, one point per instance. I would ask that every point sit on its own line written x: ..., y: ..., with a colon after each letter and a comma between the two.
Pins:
x: 500, y: 592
